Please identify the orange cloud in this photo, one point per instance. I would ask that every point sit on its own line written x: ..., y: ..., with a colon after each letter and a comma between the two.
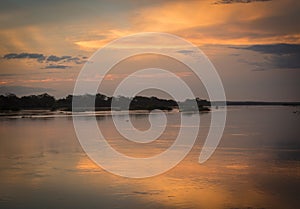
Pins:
x: 203, y: 22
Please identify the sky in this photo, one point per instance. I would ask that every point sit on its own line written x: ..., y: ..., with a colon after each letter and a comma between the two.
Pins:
x: 253, y: 44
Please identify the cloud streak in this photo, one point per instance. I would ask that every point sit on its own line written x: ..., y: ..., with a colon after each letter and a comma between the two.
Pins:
x: 239, y: 1
x: 280, y: 56
x: 23, y: 90
x: 38, y: 57
x: 57, y: 66
x: 186, y: 51
x: 51, y: 61
x: 66, y: 58
x: 278, y: 49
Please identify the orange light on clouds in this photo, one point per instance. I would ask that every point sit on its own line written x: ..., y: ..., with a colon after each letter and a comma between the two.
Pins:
x: 203, y: 22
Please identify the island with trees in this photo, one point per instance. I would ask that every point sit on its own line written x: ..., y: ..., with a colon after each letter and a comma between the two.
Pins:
x: 10, y: 103
x: 98, y: 102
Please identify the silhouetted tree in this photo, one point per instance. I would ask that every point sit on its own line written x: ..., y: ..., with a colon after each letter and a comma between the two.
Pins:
x: 89, y: 102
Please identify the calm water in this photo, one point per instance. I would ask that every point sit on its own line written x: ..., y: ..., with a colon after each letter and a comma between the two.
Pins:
x: 257, y: 165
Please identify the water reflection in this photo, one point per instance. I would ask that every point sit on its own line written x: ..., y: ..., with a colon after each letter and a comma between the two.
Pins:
x: 257, y: 165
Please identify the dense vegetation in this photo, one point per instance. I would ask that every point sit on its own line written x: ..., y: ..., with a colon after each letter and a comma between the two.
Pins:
x: 11, y: 102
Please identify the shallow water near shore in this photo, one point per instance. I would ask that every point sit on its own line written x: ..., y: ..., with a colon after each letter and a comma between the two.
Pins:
x: 257, y: 164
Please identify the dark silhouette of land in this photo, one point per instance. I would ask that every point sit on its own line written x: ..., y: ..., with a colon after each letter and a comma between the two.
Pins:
x: 254, y: 103
x: 98, y: 102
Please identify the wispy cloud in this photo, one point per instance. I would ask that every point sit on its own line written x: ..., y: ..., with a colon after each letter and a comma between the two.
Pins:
x: 38, y: 57
x: 238, y: 1
x: 51, y: 66
x: 66, y: 58
x: 23, y: 90
x: 203, y: 23
x: 280, y: 56
x: 51, y: 61
x: 8, y: 74
x: 186, y: 51
x: 278, y: 49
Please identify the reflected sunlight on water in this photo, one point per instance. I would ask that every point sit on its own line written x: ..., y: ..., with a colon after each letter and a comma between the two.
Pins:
x: 257, y: 165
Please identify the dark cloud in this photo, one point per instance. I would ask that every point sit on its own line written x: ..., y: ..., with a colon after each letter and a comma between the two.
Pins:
x: 23, y: 90
x: 8, y: 74
x: 24, y: 74
x: 291, y: 61
x: 278, y: 49
x: 58, y: 60
x: 185, y: 51
x: 238, y: 1
x: 57, y: 66
x: 281, y: 56
x: 39, y: 57
x: 77, y: 60
x: 66, y: 58
x: 53, y: 58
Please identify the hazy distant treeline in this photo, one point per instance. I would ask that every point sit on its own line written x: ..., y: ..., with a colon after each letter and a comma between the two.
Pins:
x: 11, y: 102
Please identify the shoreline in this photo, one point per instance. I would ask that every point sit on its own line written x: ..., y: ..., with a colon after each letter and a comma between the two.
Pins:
x: 48, y: 113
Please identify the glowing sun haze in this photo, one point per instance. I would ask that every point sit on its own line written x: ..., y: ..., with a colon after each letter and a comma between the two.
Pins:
x: 254, y: 44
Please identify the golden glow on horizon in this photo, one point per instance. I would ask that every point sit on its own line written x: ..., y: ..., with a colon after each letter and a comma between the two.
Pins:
x: 210, y: 26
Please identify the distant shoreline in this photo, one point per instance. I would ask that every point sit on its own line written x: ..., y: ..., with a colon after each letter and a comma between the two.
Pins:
x: 32, y: 113
x: 46, y: 104
x: 254, y: 103
x: 98, y: 102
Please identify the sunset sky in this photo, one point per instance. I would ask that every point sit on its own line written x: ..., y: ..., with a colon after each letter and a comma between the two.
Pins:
x: 253, y: 44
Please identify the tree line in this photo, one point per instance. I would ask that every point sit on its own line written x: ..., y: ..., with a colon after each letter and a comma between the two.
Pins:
x: 11, y: 102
